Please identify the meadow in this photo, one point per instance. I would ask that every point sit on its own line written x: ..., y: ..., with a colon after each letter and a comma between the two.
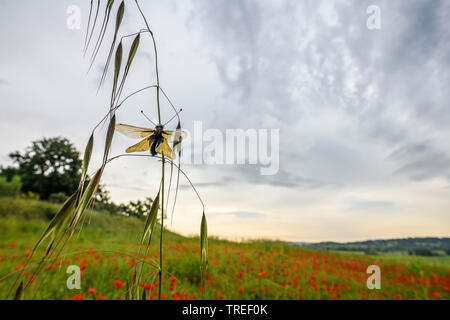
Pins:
x: 107, y: 251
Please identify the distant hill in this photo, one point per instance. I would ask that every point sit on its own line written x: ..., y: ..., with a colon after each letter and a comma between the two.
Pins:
x: 416, y: 246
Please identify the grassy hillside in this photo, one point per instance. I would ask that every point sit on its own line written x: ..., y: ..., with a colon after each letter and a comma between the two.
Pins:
x: 106, y: 251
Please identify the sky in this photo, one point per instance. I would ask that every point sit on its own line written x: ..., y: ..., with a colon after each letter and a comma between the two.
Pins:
x: 362, y: 113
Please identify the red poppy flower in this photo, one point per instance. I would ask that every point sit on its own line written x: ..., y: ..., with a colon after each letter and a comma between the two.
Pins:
x: 118, y: 284
x: 436, y: 294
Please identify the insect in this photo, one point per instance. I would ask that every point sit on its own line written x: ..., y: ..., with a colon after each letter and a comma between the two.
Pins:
x: 156, y: 140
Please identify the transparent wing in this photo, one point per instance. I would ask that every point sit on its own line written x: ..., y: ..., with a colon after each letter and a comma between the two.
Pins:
x: 133, y: 132
x: 165, y: 150
x: 144, y: 145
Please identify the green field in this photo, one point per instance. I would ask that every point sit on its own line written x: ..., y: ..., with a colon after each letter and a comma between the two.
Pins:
x: 441, y: 262
x: 107, y: 252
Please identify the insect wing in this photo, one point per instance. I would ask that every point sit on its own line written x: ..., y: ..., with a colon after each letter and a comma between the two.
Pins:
x: 143, y: 145
x: 165, y: 150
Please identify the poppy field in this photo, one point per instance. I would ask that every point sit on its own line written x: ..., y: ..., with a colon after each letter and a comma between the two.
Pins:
x: 107, y: 252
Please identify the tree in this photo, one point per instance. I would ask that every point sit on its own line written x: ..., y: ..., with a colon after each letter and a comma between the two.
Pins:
x: 9, y: 173
x: 102, y: 201
x: 58, y: 197
x: 49, y: 165
x: 138, y: 208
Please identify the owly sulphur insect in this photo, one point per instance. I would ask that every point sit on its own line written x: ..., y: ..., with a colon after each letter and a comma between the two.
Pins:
x: 156, y: 140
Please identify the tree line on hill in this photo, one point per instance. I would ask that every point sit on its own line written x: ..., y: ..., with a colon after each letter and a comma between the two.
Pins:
x: 413, y: 246
x: 50, y: 169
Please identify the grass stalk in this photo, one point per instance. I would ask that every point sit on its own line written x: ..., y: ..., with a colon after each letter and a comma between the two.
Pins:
x: 163, y: 162
x: 161, y: 234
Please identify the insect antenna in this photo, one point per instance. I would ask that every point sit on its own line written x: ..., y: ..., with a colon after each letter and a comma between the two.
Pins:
x: 148, y: 118
x: 176, y: 115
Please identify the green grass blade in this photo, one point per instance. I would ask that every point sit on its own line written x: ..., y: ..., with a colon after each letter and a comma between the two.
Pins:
x: 203, y: 251
x: 129, y: 291
x: 204, y: 244
x: 19, y: 292
x: 60, y: 218
x: 119, y: 18
x: 87, y: 197
x: 89, y: 24
x: 87, y: 157
x: 177, y: 140
x: 132, y: 53
x: 117, y: 65
x: 102, y: 32
x: 151, y: 220
x: 93, y: 27
x: 109, y: 138
x: 177, y: 149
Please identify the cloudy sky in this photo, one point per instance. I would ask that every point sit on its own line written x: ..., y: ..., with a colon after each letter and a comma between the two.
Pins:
x: 363, y: 114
